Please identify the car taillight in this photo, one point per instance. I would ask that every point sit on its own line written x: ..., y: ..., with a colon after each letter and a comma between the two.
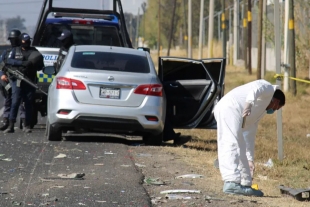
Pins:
x: 68, y: 83
x: 150, y: 89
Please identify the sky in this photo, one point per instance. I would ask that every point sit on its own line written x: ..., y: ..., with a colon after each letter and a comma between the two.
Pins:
x: 30, y: 9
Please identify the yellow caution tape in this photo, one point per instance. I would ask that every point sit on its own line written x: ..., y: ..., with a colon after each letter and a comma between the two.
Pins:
x: 296, y: 79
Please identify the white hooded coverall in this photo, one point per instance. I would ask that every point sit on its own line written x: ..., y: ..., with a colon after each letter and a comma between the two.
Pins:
x: 236, y: 144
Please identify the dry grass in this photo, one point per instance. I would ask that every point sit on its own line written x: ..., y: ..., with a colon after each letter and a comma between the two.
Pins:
x: 294, y: 170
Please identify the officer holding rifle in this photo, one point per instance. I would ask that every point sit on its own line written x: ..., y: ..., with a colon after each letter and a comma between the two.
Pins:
x: 24, y: 61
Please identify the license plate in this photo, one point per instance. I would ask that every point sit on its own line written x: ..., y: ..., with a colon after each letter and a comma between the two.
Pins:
x: 112, y: 93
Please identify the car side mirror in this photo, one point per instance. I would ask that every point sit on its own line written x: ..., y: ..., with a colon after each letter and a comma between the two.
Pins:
x: 144, y: 49
x: 49, y: 70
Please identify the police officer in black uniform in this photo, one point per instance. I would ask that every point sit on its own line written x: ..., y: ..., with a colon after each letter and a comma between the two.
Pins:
x: 5, y: 89
x: 67, y: 41
x: 28, y: 60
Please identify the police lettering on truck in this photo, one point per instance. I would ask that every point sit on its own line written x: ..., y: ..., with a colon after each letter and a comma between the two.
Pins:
x: 48, y: 61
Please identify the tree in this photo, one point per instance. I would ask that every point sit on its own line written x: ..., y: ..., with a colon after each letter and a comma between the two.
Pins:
x: 15, y: 23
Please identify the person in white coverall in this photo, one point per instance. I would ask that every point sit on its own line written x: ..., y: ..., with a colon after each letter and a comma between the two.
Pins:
x: 236, y: 144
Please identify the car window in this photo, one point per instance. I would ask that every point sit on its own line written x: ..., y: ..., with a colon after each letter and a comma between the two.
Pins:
x: 82, y: 35
x: 110, y: 61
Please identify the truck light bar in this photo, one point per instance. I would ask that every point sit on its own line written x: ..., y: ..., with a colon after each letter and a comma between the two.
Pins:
x: 79, y: 21
x: 94, y: 16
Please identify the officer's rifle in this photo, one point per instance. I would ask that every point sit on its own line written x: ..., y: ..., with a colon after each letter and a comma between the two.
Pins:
x: 17, y: 74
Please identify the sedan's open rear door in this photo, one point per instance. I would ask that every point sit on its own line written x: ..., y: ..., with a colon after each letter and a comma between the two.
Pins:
x: 192, y: 89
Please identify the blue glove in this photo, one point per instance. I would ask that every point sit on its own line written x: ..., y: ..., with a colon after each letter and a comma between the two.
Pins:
x: 14, y: 62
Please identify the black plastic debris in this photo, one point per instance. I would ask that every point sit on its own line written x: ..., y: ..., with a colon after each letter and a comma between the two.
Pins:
x: 298, y: 194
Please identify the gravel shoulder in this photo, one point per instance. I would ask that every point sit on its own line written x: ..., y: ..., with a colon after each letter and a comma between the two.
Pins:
x: 162, y: 165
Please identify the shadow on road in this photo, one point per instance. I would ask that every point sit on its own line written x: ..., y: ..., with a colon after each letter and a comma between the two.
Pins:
x: 108, y: 138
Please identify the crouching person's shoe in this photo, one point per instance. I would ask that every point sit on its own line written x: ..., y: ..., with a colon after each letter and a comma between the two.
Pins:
x: 10, y: 129
x: 27, y: 129
x: 237, y: 188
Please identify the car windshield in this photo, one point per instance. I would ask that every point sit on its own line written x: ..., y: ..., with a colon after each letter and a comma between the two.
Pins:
x: 82, y: 35
x: 110, y: 61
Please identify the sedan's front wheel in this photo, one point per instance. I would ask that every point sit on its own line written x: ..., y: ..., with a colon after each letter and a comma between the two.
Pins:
x: 155, y: 140
x: 53, y: 133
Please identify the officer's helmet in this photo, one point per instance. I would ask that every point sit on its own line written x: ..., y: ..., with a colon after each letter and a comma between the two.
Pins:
x: 14, y: 34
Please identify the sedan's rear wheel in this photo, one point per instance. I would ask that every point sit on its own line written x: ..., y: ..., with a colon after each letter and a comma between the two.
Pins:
x: 53, y: 133
x: 155, y: 140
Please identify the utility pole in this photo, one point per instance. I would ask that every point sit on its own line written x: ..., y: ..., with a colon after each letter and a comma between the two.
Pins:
x: 200, y: 29
x: 143, y: 6
x: 259, y: 42
x: 171, y: 27
x: 211, y: 27
x: 236, y: 31
x: 185, y: 25
x: 277, y: 37
x: 286, y: 47
x: 137, y: 29
x: 250, y: 36
x: 245, y: 35
x: 189, y: 29
x: 130, y: 28
x: 158, y: 36
x: 264, y: 42
x: 292, y: 48
x: 223, y: 29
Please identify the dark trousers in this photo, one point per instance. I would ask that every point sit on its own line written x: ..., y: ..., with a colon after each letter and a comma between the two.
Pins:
x: 25, y: 93
x: 7, y: 94
x: 168, y: 133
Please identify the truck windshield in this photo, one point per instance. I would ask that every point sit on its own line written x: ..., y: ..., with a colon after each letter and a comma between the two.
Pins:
x: 82, y: 35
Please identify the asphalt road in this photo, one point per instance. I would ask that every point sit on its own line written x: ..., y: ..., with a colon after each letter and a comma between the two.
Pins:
x: 31, y: 175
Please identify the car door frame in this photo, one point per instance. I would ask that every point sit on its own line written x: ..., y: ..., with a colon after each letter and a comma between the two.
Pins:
x: 217, y: 90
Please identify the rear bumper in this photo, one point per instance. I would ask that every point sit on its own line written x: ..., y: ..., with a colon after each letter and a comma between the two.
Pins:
x: 103, y: 124
x: 112, y: 119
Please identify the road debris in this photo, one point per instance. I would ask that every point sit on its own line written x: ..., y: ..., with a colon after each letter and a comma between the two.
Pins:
x: 298, y: 194
x: 144, y: 155
x: 179, y: 191
x: 177, y: 197
x: 154, y: 181
x: 269, y: 163
x: 109, y: 153
x: 72, y: 175
x: 189, y: 176
x: 100, y: 201
x: 61, y: 156
x: 139, y: 165
x: 209, y: 198
x: 7, y: 159
x: 16, y: 203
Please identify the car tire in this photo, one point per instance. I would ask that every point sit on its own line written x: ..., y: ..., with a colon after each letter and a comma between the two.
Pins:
x: 52, y: 133
x: 154, y: 140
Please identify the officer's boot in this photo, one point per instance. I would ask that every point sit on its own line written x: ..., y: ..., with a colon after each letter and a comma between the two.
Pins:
x: 10, y: 129
x: 26, y: 127
x: 5, y: 124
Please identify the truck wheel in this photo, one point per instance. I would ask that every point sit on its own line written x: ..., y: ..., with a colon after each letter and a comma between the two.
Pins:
x: 155, y: 140
x: 53, y: 133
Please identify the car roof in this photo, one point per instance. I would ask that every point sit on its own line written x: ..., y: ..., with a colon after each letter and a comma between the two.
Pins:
x: 112, y: 49
x: 87, y: 22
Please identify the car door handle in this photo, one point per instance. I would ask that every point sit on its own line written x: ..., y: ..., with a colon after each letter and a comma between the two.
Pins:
x: 172, y: 85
